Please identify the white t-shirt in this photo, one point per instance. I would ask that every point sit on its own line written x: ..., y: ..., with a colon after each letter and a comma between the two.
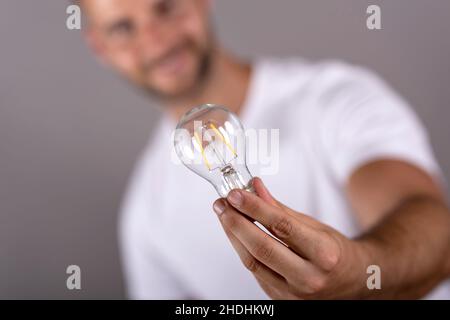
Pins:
x: 332, y: 118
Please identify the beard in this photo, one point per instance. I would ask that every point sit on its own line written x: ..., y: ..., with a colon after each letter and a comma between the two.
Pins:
x: 202, y: 55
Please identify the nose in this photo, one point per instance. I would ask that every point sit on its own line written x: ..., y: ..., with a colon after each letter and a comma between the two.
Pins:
x: 154, y: 39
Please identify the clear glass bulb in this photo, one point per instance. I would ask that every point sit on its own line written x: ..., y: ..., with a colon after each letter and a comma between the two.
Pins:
x: 210, y: 140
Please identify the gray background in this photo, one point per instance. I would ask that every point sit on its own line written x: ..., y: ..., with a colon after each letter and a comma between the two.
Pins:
x: 70, y: 131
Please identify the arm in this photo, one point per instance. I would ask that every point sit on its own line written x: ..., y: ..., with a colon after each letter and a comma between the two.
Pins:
x: 409, y: 238
x: 406, y: 223
x: 408, y: 226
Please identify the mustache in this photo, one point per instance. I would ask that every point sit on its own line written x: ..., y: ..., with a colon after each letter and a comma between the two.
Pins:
x: 149, y: 65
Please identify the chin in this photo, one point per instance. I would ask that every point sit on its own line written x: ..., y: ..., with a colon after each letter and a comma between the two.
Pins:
x: 174, y: 91
x: 179, y: 94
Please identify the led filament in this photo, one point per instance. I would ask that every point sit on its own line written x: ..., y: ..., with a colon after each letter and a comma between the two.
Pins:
x: 210, y: 141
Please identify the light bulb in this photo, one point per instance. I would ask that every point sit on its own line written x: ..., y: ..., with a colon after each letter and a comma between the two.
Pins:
x: 210, y: 141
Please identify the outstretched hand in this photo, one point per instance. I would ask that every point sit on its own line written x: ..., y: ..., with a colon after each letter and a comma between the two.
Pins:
x: 307, y: 260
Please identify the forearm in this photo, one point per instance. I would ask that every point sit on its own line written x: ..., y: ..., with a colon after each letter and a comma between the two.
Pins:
x: 412, y: 248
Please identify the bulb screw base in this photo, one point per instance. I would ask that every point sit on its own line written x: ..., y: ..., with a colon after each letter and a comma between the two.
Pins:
x: 234, y: 180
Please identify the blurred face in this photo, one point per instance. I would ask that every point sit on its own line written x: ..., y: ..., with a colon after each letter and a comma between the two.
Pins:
x: 163, y: 46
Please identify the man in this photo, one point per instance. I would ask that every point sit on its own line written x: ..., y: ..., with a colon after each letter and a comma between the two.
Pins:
x: 357, y: 184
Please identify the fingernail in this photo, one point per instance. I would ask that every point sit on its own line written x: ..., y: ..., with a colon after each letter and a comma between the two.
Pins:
x: 235, y: 198
x: 219, y: 207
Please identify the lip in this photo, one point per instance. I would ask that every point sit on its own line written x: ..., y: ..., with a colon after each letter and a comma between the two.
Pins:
x: 173, y: 64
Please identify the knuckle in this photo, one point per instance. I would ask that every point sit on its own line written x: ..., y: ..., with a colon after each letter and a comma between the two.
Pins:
x: 329, y: 260
x: 283, y: 228
x: 263, y: 252
x: 315, y: 284
x: 331, y: 255
x: 251, y: 264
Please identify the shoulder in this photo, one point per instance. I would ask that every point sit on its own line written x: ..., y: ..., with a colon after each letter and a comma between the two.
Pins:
x: 326, y: 91
x: 321, y: 78
x: 331, y: 86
